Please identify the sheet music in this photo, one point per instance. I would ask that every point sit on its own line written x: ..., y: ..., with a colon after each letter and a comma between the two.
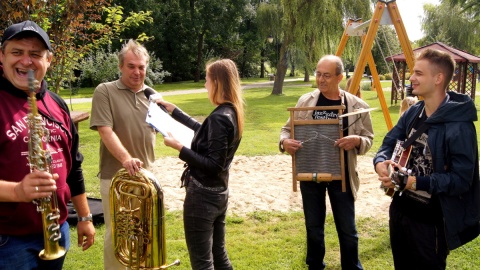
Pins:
x: 164, y: 123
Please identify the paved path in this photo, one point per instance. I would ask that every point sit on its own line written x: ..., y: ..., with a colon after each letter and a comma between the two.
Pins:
x: 189, y: 91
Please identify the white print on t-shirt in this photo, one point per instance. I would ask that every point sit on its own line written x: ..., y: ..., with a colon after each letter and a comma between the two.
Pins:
x: 21, y: 126
x: 421, y: 163
x: 19, y: 130
x: 56, y: 163
x: 421, y: 156
x: 322, y: 115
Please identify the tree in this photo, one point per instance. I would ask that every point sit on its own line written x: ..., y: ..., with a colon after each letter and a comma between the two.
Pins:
x: 314, y: 27
x: 450, y: 25
x: 75, y: 29
x: 386, y: 44
x: 471, y: 6
x: 188, y: 33
x: 219, y: 21
x: 269, y: 19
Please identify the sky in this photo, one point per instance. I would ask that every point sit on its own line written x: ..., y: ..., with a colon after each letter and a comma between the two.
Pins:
x: 411, y: 11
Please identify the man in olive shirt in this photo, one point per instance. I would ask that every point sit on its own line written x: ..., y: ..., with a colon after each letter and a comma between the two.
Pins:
x: 119, y: 109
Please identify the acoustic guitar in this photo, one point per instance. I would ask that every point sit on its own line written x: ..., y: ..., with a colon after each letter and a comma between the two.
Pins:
x: 399, y: 156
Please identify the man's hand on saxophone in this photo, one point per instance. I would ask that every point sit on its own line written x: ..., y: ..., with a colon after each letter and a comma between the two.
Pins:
x: 33, y: 186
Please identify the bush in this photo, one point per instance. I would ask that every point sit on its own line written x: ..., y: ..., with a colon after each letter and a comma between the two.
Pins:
x: 381, y: 77
x: 388, y: 76
x: 99, y: 67
x: 102, y: 66
x: 365, y: 86
x: 155, y: 74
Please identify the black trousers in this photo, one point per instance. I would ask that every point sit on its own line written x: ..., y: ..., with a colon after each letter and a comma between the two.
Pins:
x: 204, y: 213
x: 417, y: 244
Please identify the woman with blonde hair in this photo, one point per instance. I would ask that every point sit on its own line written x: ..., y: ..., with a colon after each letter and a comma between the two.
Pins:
x: 406, y: 103
x: 349, y: 82
x: 208, y: 161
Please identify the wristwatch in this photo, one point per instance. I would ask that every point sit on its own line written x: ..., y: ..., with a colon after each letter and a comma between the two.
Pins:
x: 87, y: 218
x: 280, y: 146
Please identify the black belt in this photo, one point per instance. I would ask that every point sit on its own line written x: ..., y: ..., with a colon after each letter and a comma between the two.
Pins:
x: 198, y: 184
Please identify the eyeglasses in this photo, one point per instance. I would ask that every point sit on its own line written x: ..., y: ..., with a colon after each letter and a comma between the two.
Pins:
x: 326, y: 76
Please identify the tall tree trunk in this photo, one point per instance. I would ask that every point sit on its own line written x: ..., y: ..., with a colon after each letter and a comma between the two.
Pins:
x: 262, y: 63
x: 199, y: 57
x: 306, y: 77
x: 281, y: 71
x: 243, y: 65
x: 292, y: 62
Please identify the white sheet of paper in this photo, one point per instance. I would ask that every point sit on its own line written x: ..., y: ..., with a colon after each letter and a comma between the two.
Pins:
x: 164, y: 123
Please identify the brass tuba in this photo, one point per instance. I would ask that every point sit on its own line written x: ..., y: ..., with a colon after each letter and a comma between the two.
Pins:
x: 40, y: 159
x: 138, y: 220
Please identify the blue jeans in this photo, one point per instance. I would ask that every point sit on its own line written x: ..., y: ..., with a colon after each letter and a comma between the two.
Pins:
x: 21, y: 252
x: 343, y: 209
x: 204, y: 213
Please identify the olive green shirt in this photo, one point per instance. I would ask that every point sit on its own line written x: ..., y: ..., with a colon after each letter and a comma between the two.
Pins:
x: 115, y: 106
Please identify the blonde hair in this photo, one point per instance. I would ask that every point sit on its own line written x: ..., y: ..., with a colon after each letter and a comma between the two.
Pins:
x: 136, y: 48
x: 227, y: 87
x: 406, y: 103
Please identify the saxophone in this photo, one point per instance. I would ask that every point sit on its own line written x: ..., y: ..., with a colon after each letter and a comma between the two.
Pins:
x: 138, y: 220
x: 40, y: 159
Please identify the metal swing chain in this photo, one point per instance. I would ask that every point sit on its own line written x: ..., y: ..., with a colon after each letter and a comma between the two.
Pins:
x: 383, y: 57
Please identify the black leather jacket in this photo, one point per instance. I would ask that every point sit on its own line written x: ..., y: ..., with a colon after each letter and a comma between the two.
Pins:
x: 213, y: 146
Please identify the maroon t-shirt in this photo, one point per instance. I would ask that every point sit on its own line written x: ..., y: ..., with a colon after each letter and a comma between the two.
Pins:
x: 23, y: 218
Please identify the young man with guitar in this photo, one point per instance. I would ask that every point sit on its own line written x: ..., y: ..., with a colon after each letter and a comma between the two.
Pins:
x: 436, y: 190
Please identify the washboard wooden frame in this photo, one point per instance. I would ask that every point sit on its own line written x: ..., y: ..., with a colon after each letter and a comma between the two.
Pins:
x: 330, y: 166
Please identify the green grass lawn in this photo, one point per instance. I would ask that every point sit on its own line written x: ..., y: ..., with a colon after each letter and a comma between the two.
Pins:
x: 261, y: 240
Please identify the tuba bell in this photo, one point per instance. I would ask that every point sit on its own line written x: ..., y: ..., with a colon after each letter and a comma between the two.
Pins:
x: 138, y: 220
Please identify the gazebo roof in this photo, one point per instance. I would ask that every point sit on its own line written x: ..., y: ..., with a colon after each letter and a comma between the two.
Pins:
x: 458, y: 55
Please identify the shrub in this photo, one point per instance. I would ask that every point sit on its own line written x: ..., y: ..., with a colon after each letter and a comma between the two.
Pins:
x: 155, y: 74
x: 102, y: 66
x: 388, y: 76
x: 365, y: 85
x: 99, y: 67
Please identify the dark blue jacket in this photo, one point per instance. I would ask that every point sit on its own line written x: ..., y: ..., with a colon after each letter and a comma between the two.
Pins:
x: 452, y: 140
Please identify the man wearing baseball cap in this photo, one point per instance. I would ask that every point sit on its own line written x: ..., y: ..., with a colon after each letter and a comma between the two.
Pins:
x: 27, y: 27
x: 26, y: 48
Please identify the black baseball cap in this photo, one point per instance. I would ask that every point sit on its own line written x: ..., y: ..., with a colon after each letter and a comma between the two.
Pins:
x: 26, y: 26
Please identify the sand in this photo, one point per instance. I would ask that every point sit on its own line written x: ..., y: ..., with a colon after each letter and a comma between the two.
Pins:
x: 264, y: 183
